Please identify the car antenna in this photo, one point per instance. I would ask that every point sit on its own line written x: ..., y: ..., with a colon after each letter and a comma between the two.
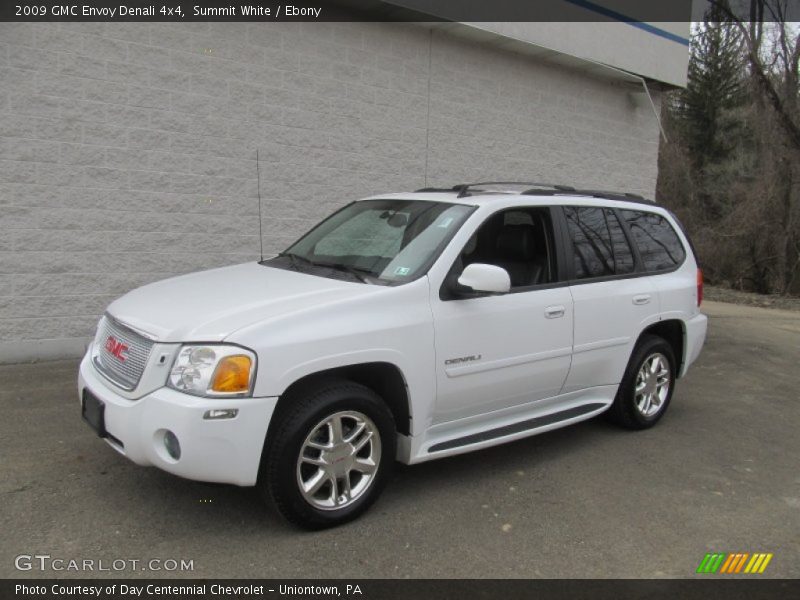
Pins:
x: 258, y: 186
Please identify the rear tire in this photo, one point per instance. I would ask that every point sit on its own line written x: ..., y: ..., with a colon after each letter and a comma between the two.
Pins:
x: 328, y: 455
x: 646, y: 388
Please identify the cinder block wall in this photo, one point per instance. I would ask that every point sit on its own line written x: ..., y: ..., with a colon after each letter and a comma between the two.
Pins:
x: 127, y: 150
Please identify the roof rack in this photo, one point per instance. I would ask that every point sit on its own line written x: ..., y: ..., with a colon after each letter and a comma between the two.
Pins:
x: 541, y: 189
x: 463, y: 188
x: 607, y: 194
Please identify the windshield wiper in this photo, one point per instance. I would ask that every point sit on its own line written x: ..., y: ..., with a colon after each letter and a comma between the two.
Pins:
x: 295, y: 258
x: 355, y: 272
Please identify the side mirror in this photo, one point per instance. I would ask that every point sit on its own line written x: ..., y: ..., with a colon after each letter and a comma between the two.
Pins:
x: 482, y: 278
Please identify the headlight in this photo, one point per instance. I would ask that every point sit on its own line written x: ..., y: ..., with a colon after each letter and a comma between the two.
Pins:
x: 216, y: 371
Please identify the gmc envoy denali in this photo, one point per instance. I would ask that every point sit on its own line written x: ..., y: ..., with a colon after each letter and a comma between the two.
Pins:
x: 406, y: 327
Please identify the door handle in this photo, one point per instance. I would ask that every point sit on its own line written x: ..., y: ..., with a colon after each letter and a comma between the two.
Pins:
x: 554, y: 312
x: 641, y: 299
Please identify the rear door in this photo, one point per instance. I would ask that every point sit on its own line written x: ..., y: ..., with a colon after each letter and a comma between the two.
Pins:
x: 613, y: 299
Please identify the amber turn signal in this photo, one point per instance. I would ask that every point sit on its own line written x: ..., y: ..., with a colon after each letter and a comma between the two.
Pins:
x: 232, y: 374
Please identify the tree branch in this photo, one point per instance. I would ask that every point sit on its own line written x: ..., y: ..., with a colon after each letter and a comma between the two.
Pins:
x: 759, y: 72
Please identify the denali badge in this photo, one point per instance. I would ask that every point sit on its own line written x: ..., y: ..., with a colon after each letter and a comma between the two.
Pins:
x: 462, y: 359
x: 116, y: 348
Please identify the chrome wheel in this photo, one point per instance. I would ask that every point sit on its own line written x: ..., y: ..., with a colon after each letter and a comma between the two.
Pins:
x: 339, y: 460
x: 652, y: 384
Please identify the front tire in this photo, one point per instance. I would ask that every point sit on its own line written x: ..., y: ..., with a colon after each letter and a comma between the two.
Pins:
x: 329, y: 454
x: 646, y: 388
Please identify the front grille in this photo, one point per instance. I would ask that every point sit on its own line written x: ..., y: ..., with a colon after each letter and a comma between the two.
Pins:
x: 126, y: 369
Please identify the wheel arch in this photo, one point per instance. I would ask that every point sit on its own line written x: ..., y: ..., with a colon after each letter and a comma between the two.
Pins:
x: 673, y: 331
x: 384, y: 378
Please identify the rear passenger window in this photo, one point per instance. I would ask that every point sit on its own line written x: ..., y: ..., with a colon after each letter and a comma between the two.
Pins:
x: 659, y: 245
x: 599, y: 243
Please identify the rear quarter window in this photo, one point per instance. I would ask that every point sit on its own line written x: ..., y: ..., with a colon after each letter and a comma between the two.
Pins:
x: 659, y: 246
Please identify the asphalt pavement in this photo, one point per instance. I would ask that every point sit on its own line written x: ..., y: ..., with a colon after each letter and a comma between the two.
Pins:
x: 720, y: 473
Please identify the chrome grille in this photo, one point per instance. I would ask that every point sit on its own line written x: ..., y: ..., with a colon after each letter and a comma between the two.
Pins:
x: 125, y: 373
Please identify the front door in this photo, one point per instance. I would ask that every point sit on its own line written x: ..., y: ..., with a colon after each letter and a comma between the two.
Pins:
x: 497, y: 352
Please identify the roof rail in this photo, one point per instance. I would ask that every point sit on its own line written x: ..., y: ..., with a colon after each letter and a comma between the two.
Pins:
x: 463, y: 188
x: 604, y: 193
x: 607, y: 194
x: 541, y: 189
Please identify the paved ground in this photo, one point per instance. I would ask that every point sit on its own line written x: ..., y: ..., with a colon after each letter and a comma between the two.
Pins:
x: 721, y: 472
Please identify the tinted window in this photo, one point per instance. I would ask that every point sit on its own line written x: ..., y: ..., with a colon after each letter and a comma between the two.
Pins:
x: 599, y: 243
x: 659, y: 245
x: 517, y: 217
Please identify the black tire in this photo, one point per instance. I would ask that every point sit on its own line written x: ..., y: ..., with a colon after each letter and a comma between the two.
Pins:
x: 624, y: 410
x: 298, y: 418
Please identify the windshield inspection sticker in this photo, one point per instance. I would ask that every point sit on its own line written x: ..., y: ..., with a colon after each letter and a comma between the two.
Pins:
x: 402, y: 271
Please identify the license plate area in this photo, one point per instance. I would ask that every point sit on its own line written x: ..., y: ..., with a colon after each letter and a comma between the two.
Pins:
x: 93, y: 412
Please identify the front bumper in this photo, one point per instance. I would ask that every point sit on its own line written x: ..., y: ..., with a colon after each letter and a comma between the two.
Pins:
x: 221, y: 451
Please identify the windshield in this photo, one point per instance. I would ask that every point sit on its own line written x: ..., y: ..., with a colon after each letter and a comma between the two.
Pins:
x: 378, y: 241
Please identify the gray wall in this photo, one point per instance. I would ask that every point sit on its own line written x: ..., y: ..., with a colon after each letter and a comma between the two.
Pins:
x: 126, y: 150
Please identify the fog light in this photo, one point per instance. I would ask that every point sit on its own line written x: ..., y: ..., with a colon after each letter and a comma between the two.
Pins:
x: 221, y: 413
x: 172, y: 445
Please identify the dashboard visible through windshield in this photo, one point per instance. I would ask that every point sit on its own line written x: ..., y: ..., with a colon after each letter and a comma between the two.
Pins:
x: 385, y: 242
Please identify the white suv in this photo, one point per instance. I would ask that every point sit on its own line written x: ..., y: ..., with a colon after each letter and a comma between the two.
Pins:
x: 403, y: 327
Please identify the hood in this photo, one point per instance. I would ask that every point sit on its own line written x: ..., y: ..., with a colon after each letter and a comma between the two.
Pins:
x: 210, y: 305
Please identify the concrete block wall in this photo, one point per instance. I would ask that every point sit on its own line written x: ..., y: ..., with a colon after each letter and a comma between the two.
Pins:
x: 127, y: 150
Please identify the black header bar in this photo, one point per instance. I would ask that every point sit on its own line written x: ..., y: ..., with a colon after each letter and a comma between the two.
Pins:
x: 712, y: 587
x: 347, y: 10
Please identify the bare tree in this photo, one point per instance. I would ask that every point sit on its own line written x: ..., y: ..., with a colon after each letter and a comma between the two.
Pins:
x: 772, y: 46
x: 774, y: 69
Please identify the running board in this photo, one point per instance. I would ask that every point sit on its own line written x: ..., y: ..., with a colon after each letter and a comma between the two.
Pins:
x: 535, y: 423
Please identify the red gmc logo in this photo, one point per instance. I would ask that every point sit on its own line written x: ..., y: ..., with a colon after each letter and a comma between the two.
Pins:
x: 117, y: 348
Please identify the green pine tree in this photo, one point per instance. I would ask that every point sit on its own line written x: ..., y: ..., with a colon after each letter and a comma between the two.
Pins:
x: 706, y: 109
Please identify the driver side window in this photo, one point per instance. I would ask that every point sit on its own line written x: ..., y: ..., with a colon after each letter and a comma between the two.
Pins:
x: 519, y: 240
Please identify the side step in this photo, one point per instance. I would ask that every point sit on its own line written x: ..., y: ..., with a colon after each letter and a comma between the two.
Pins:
x: 534, y: 423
